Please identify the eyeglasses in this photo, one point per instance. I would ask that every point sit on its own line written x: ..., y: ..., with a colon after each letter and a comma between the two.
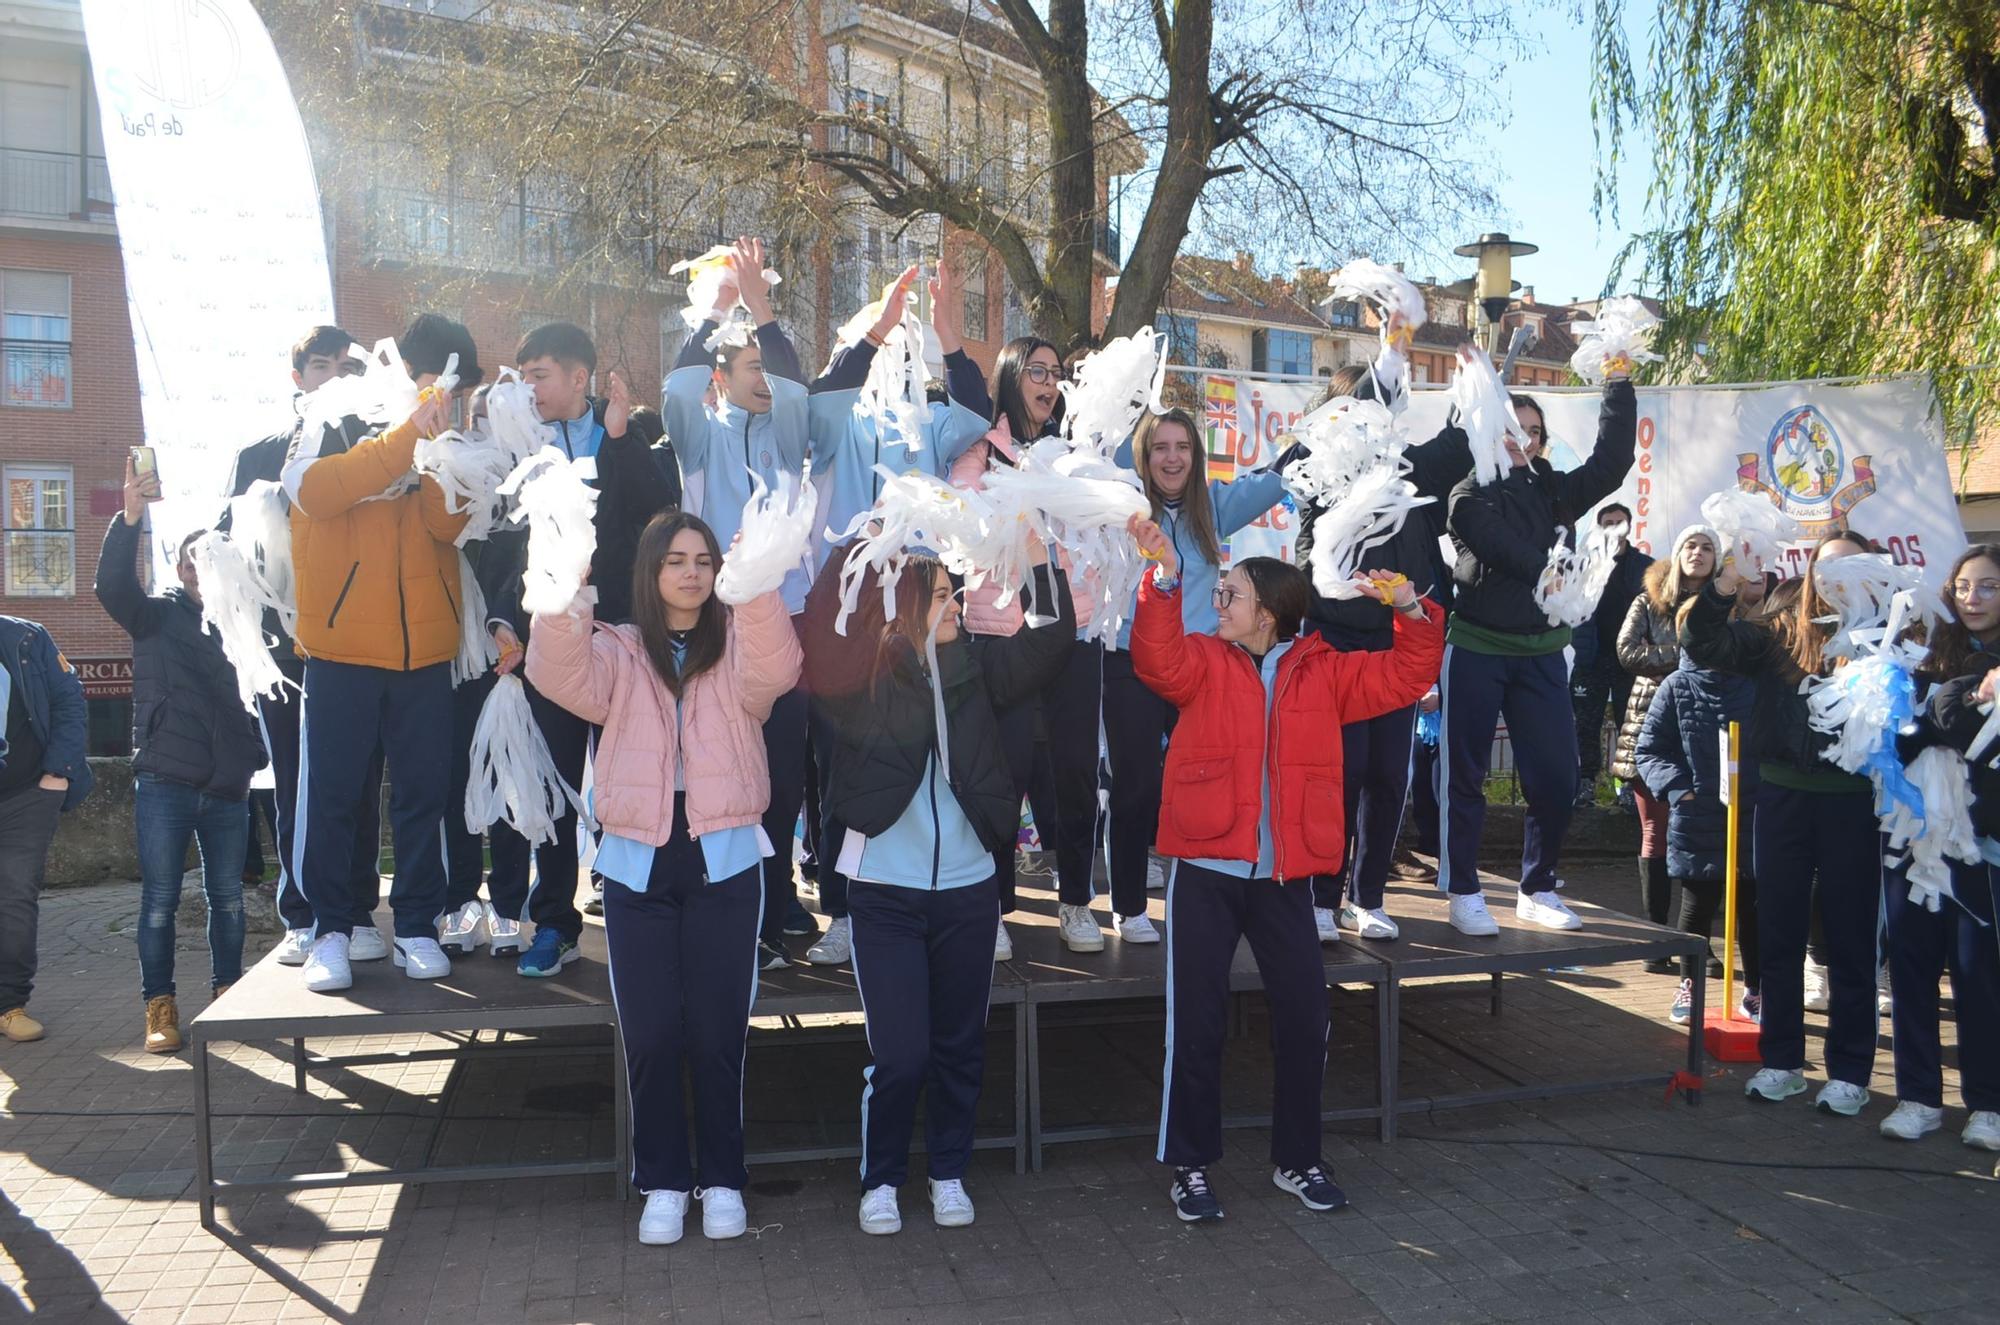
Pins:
x: 1967, y: 591
x: 1041, y: 374
x: 1224, y: 595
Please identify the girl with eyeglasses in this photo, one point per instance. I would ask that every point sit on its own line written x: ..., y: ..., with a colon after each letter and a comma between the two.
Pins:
x: 1815, y: 824
x: 1959, y: 937
x: 1252, y: 812
x: 1027, y: 400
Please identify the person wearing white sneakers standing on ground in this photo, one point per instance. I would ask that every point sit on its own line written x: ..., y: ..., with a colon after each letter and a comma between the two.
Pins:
x: 919, y: 779
x: 1252, y: 812
x: 376, y: 570
x: 1959, y: 935
x: 1502, y: 656
x: 681, y: 696
x: 1815, y: 824
x: 1195, y: 516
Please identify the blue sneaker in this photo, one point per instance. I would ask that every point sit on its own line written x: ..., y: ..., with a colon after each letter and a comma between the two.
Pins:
x: 1193, y: 1201
x: 1311, y: 1185
x: 548, y: 954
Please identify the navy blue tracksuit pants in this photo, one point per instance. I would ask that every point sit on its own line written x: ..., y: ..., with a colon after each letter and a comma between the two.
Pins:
x: 1072, y: 714
x: 350, y: 712
x: 684, y: 978
x: 1424, y: 765
x: 1207, y: 914
x: 785, y: 753
x: 279, y: 721
x: 1831, y: 837
x: 1136, y: 725
x: 1375, y: 786
x: 1922, y: 946
x: 923, y: 961
x: 551, y: 901
x: 832, y: 833
x: 1532, y: 693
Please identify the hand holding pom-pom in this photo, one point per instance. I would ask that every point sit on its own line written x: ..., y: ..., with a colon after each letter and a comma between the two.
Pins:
x: 1154, y: 545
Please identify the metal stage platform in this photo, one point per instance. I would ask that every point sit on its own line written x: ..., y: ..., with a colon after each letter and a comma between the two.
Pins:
x: 484, y: 995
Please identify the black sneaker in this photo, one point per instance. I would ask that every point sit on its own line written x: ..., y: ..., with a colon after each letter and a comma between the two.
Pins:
x: 1310, y: 1185
x: 798, y: 920
x: 771, y: 957
x: 1193, y: 1201
x: 593, y: 905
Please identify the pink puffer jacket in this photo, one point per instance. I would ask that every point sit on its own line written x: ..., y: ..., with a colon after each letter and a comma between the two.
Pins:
x: 982, y: 615
x: 603, y: 675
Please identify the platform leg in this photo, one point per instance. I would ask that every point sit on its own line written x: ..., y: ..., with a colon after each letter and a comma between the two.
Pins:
x: 1493, y: 996
x: 299, y: 1065
x: 204, y: 1154
x: 1385, y: 1067
x: 1697, y: 1051
x: 1020, y: 1087
x: 1392, y: 1055
x: 1034, y: 1085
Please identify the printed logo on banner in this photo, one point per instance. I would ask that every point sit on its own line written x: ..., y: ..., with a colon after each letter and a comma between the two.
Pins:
x: 1804, y: 470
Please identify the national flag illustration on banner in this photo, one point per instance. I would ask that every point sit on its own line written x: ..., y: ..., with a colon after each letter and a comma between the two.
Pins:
x: 1219, y: 421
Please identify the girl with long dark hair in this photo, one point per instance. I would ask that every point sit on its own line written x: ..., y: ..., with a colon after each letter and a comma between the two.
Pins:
x: 681, y: 788
x: 917, y: 778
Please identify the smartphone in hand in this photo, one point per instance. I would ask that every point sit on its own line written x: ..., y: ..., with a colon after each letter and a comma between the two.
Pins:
x: 145, y: 461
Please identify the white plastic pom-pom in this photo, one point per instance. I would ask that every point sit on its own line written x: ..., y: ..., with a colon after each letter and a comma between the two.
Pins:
x: 777, y: 535
x: 1621, y: 331
x: 1878, y: 606
x: 513, y: 775
x: 915, y: 511
x: 476, y: 650
x: 1387, y: 289
x: 1113, y: 388
x: 1486, y: 414
x: 384, y: 393
x: 1079, y: 501
x: 705, y: 276
x: 512, y: 422
x: 1354, y: 471
x: 894, y: 396
x: 1574, y: 581
x: 232, y: 608
x: 558, y: 507
x: 1753, y: 529
x: 260, y: 522
x: 1944, y: 831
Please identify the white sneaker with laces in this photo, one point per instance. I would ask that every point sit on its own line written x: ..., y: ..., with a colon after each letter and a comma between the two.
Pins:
x: 1775, y: 1084
x: 1982, y: 1130
x: 1841, y: 1097
x: 722, y: 1213
x: 1883, y: 1002
x: 463, y: 929
x: 366, y: 945
x: 1080, y: 932
x: 1815, y: 986
x: 1325, y: 922
x: 1156, y: 874
x: 1470, y: 916
x: 879, y: 1215
x: 503, y: 936
x: 422, y: 959
x: 660, y: 1224
x: 1003, y: 946
x: 1372, y: 923
x: 295, y: 947
x: 1547, y: 910
x: 1137, y: 929
x: 326, y: 970
x: 950, y: 1206
x: 836, y: 946
x: 1911, y: 1121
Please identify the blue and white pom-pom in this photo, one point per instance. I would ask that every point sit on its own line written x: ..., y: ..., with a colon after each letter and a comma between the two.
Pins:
x: 1942, y: 833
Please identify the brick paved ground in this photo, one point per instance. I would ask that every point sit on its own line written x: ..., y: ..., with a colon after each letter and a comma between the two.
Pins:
x: 1611, y: 1207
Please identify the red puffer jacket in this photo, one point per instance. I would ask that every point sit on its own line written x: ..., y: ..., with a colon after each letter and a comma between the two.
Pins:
x: 1213, y: 794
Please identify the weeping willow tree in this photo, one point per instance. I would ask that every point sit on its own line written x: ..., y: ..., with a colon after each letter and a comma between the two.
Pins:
x: 1825, y: 199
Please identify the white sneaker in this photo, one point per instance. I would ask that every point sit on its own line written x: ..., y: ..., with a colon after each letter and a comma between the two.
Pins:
x: 1369, y: 924
x: 1137, y: 929
x: 421, y: 959
x: 1156, y: 874
x: 878, y: 1211
x: 1911, y: 1121
x: 1079, y: 929
x: 366, y: 945
x: 950, y: 1206
x: 836, y: 946
x: 1815, y: 986
x: 503, y: 936
x: 721, y: 1213
x: 1545, y: 909
x: 295, y: 947
x: 1470, y: 916
x: 1003, y: 946
x: 660, y: 1224
x: 1841, y: 1097
x: 327, y: 971
x: 1327, y: 925
x: 1982, y: 1130
x: 1775, y: 1084
x: 463, y: 929
x: 1883, y: 1002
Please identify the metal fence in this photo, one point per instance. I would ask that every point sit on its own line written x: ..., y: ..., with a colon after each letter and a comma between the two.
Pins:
x: 62, y: 185
x: 37, y: 374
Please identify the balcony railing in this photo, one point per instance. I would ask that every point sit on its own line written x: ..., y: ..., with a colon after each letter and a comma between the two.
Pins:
x: 1108, y: 242
x: 487, y: 234
x: 67, y: 186
x: 37, y: 374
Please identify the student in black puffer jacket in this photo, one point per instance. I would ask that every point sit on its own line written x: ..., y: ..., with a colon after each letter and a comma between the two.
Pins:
x: 194, y: 749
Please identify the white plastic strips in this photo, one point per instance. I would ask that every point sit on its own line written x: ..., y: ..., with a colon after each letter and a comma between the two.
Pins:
x: 1387, y: 289
x: 777, y: 534
x: 893, y: 397
x: 476, y: 649
x: 1486, y: 414
x: 1112, y: 389
x: 705, y: 276
x: 1354, y: 471
x: 233, y: 600
x: 557, y: 505
x: 1753, y: 530
x: 1622, y: 329
x: 1573, y: 581
x: 513, y: 775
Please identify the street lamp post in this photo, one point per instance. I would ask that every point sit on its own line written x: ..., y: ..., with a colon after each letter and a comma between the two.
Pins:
x: 1494, y: 286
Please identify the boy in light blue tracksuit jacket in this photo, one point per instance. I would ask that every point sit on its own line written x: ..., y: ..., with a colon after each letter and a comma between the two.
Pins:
x: 757, y: 424
x: 846, y: 448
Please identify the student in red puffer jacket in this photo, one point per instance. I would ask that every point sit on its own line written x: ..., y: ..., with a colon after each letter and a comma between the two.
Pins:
x: 1251, y: 811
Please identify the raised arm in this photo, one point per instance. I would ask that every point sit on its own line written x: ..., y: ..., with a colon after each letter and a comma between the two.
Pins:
x: 682, y: 400
x: 1710, y: 638
x: 1370, y: 684
x: 573, y: 664
x: 1238, y: 501
x: 764, y: 652
x: 324, y: 485
x: 1161, y: 654
x: 1611, y: 459
x: 118, y: 588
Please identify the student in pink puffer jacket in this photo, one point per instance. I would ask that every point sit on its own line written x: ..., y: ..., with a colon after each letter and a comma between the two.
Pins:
x: 1026, y: 383
x: 681, y: 786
